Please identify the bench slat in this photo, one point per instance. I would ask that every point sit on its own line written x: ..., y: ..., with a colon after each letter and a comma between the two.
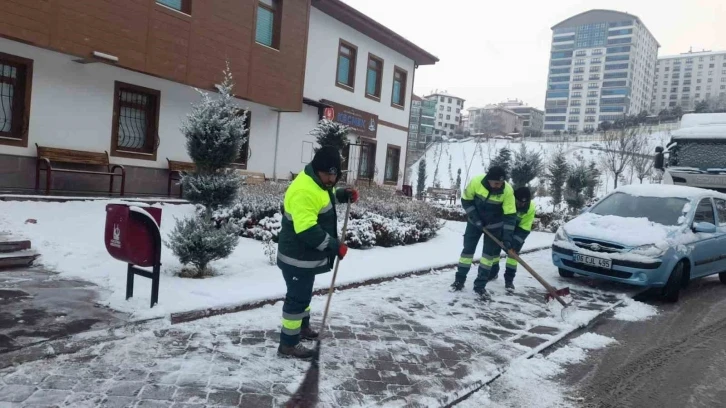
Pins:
x: 105, y: 173
x: 72, y: 156
x: 181, y: 166
x: 252, y: 177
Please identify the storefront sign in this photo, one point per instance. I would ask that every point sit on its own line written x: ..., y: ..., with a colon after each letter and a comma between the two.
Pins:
x: 363, y: 123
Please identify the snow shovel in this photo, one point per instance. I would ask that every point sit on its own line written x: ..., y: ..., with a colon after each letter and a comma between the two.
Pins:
x: 552, y: 292
x: 306, y: 395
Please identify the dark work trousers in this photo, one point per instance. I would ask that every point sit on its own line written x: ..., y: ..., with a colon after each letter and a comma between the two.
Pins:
x: 490, y: 255
x: 296, y: 309
x: 511, y: 270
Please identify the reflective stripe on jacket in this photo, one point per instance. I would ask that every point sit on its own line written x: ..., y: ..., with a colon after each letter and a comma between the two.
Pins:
x: 493, y: 210
x: 308, y: 237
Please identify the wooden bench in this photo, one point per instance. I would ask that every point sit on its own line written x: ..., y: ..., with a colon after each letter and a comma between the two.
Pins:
x: 450, y: 194
x: 49, y: 155
x: 175, y: 170
x: 251, y: 177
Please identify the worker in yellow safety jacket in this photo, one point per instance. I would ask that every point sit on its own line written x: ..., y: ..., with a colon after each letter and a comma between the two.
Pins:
x: 308, y: 244
x: 489, y: 203
x: 525, y: 218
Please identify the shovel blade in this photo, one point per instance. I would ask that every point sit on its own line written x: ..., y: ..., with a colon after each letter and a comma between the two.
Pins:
x: 560, y: 292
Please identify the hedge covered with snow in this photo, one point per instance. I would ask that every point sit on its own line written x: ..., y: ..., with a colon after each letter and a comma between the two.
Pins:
x: 381, y: 218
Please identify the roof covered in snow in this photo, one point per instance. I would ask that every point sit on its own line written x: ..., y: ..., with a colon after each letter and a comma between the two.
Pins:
x: 701, y: 132
x: 667, y: 190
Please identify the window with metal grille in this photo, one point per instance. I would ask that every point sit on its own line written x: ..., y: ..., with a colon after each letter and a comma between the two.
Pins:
x: 269, y: 18
x: 393, y: 157
x: 15, y: 84
x: 185, y: 6
x: 346, y: 65
x: 374, y: 76
x: 136, y: 121
x: 398, y: 97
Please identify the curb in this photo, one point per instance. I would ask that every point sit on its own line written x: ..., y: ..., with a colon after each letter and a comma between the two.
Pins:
x: 192, y: 315
x: 537, y: 350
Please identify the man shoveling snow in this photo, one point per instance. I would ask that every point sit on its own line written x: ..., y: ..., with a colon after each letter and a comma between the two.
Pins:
x: 489, y: 203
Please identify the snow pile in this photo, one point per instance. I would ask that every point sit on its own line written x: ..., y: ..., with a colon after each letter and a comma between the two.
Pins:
x: 635, y: 311
x: 529, y: 382
x: 592, y: 341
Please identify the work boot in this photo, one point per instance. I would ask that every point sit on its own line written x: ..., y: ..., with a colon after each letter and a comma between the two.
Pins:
x: 457, y: 286
x: 296, y: 351
x: 483, y: 294
x: 493, y: 278
x: 308, y: 334
x: 509, y: 286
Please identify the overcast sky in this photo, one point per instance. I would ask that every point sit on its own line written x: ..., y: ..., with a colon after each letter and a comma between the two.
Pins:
x: 494, y: 50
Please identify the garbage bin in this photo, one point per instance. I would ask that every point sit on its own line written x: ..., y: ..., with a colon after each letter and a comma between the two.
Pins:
x: 132, y: 235
x: 129, y: 235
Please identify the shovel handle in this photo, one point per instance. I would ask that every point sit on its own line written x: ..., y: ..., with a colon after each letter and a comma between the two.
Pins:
x: 335, y: 271
x: 529, y: 269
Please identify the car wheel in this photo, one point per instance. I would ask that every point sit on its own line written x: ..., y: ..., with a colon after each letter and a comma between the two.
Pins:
x: 566, y: 274
x: 722, y: 277
x: 672, y: 289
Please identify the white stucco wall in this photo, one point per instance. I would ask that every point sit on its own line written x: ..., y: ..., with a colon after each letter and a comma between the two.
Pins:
x: 72, y: 107
x: 324, y: 37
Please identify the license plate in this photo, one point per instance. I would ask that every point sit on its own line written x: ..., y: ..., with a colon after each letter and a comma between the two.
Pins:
x: 593, y: 261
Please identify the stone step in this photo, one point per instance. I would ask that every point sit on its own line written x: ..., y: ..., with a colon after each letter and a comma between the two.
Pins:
x: 17, y: 259
x: 13, y: 245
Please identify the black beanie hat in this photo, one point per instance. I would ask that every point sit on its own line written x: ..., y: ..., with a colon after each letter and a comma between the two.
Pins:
x: 496, y: 173
x: 327, y: 160
x: 523, y: 194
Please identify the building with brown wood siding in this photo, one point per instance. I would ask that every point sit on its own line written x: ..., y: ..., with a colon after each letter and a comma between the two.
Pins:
x: 102, y: 75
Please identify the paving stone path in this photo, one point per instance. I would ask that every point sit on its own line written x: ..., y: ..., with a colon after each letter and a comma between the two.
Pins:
x: 406, y: 343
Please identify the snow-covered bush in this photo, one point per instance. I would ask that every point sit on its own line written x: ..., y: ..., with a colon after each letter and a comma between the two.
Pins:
x: 270, y: 250
x: 450, y: 212
x: 196, y: 240
x: 380, y: 218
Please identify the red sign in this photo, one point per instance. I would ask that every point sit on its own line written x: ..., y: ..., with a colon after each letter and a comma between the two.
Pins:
x: 329, y: 113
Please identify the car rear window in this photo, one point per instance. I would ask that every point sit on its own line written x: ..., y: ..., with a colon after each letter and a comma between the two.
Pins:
x: 661, y: 210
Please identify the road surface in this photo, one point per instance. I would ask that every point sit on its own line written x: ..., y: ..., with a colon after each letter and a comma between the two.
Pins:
x: 676, y: 359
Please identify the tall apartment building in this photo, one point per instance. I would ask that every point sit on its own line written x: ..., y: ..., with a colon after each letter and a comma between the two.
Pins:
x: 682, y: 80
x: 602, y: 64
x: 448, y: 112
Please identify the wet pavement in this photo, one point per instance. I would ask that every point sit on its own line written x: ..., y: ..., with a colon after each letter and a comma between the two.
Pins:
x: 676, y: 359
x: 36, y: 305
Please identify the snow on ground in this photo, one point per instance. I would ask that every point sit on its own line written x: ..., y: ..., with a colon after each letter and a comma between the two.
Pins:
x: 530, y: 382
x: 634, y: 311
x: 69, y: 236
x: 473, y: 158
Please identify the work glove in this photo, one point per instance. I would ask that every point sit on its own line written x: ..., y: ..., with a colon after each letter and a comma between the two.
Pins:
x: 507, y: 245
x: 342, y: 251
x: 477, y: 223
x: 350, y: 195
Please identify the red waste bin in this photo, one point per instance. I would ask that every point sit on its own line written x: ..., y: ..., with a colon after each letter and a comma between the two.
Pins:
x: 130, y: 237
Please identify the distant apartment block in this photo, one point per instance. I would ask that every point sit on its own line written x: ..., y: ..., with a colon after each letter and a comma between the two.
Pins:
x: 449, y: 109
x: 494, y: 120
x: 602, y: 65
x: 532, y: 118
x: 682, y: 80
